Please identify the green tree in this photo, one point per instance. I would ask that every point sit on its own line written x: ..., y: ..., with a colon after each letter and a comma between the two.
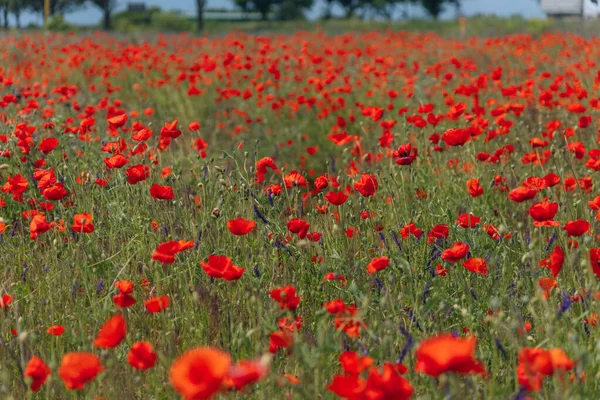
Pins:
x: 435, y: 7
x: 351, y: 6
x: 387, y: 8
x: 293, y: 9
x: 57, y: 7
x: 327, y: 12
x: 263, y: 7
x: 200, y: 4
x: 4, y: 4
x: 107, y: 7
x: 16, y: 7
x: 244, y: 5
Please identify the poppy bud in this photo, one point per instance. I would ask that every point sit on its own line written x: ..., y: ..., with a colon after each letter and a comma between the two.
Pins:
x: 216, y: 213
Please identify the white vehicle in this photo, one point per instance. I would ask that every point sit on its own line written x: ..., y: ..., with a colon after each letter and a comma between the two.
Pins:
x: 562, y: 8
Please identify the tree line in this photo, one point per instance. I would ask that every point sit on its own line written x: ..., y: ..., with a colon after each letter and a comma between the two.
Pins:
x: 280, y: 9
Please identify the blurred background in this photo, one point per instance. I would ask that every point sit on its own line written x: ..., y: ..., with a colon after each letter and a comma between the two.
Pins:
x: 219, y: 16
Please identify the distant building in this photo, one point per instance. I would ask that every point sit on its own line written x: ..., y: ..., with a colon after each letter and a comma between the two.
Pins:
x: 230, y: 15
x: 136, y: 7
x: 562, y: 8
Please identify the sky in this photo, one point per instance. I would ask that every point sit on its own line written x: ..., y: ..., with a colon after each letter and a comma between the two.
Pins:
x: 526, y: 8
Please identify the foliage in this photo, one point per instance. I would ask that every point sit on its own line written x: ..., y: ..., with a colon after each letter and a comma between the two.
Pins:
x: 169, y: 21
x: 435, y: 7
x: 152, y: 19
x: 57, y: 23
x: 284, y: 9
x: 107, y: 7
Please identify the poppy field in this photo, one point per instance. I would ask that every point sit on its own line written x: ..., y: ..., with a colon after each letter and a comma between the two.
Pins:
x: 383, y: 215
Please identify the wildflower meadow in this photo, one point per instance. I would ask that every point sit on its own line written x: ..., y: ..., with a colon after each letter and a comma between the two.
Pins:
x: 366, y: 216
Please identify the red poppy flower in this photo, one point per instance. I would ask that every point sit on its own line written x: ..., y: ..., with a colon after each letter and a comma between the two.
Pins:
x: 456, y: 137
x: 456, y: 253
x: 286, y: 297
x: 280, y: 340
x: 161, y: 192
x: 522, y: 194
x: 124, y: 300
x: 199, y: 373
x: 48, y: 144
x: 294, y: 178
x: 577, y: 228
x: 55, y: 192
x: 247, y: 372
x: 241, y: 226
x: 261, y: 168
x: 445, y: 353
x: 141, y: 356
x: 111, y: 333
x: 473, y: 187
x: 17, y: 185
x: 543, y: 213
x: 321, y: 182
x: 77, y: 369
x: 55, y: 330
x: 554, y: 262
x: 299, y: 227
x: 536, y: 364
x: 476, y: 265
x: 38, y: 372
x: 5, y: 301
x: 39, y: 225
x: 222, y: 267
x: 142, y: 135
x: 410, y: 229
x: 170, y: 130
x: 468, y: 220
x: 367, y: 186
x: 165, y: 252
x: 336, y: 198
x: 137, y: 173
x: 82, y: 223
x: 405, y: 155
x: 438, y: 232
x: 117, y: 121
x: 115, y: 162
x: 595, y: 261
x: 157, y: 304
x: 378, y: 264
x: 353, y: 364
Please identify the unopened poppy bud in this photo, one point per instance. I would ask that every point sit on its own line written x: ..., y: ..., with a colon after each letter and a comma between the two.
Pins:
x: 222, y: 182
x: 216, y: 212
x: 335, y: 229
x: 23, y: 337
x: 4, y: 166
x: 219, y: 168
x: 199, y: 184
